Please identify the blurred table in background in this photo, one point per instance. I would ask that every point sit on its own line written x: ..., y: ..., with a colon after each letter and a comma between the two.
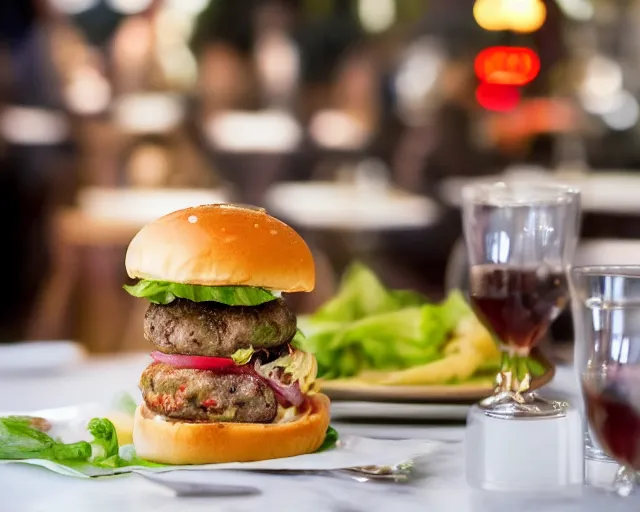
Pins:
x: 253, y: 150
x: 345, y: 221
x: 612, y: 192
x: 609, y: 198
x: 83, y: 299
x: 349, y: 207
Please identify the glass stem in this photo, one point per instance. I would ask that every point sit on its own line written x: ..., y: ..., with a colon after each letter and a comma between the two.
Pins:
x: 514, y: 377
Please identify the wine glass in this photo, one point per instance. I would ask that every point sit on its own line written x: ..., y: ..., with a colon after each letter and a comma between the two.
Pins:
x: 607, y: 319
x: 520, y: 238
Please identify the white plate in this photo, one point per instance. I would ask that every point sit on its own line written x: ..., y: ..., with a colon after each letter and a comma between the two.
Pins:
x: 343, y: 411
x: 32, y: 357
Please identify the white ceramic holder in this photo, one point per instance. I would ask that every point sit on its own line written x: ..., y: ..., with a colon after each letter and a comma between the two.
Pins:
x: 524, y: 454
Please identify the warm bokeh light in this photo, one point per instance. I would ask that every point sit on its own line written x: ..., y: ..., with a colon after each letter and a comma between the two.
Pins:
x: 500, y: 98
x: 148, y: 113
x: 507, y: 65
x: 623, y: 112
x: 580, y: 10
x: 260, y: 132
x: 416, y: 78
x: 192, y: 7
x: 376, y: 15
x: 73, y: 6
x: 533, y: 117
x: 338, y: 130
x: 277, y: 61
x: 516, y: 15
x: 33, y: 126
x: 88, y: 92
x: 129, y: 6
x: 602, y: 77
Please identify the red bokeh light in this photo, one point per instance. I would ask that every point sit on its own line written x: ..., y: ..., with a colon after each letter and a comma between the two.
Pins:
x: 498, y: 97
x: 507, y: 65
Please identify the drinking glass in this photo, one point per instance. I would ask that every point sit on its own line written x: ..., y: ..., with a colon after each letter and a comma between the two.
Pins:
x: 607, y: 319
x: 520, y: 238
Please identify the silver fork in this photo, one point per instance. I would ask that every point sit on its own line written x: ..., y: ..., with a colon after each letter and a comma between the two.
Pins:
x: 399, y: 473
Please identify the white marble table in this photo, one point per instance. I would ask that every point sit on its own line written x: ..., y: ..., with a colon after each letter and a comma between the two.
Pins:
x: 30, y: 489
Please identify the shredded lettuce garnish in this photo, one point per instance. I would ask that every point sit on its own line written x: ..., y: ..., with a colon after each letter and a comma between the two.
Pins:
x: 297, y: 367
x: 242, y: 356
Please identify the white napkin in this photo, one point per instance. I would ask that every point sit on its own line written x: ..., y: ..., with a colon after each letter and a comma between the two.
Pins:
x: 351, y: 451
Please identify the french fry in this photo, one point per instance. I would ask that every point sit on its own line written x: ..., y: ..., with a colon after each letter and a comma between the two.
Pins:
x: 470, y: 347
x: 365, y: 378
x: 460, y: 366
x: 470, y: 334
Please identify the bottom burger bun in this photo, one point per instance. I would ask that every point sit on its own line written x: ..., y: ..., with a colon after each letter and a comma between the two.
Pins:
x: 175, y: 442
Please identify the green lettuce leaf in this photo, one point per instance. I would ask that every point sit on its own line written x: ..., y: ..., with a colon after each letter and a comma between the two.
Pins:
x: 362, y: 294
x: 105, y: 440
x: 453, y: 309
x: 242, y: 355
x: 395, y: 340
x: 20, y: 439
x: 163, y: 292
x: 367, y: 326
x: 330, y: 440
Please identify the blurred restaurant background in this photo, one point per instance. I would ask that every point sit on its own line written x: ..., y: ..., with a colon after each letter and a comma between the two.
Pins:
x: 355, y: 121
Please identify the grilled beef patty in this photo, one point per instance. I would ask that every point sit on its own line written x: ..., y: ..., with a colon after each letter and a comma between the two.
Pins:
x: 202, y: 395
x: 214, y: 329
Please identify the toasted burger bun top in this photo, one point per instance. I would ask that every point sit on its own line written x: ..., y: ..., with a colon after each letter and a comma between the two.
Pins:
x: 175, y: 442
x: 222, y: 245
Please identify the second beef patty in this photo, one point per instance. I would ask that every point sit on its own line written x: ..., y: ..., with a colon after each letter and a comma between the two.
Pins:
x: 213, y: 329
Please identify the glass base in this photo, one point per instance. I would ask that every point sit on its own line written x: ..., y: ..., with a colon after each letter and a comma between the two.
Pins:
x: 509, y: 404
x: 604, y: 473
x: 626, y: 482
x: 536, y: 454
x: 600, y: 472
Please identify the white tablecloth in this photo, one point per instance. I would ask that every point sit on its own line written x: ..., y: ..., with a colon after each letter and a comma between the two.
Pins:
x: 30, y: 489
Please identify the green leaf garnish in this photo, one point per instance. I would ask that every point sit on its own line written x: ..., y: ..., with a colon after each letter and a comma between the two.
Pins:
x: 164, y: 292
x: 330, y: 440
x: 242, y: 355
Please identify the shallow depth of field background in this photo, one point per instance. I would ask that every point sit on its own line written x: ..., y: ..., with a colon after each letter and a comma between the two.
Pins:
x: 355, y: 121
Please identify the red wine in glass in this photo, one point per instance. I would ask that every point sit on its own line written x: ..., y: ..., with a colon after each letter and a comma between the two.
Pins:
x: 613, y: 409
x: 518, y: 303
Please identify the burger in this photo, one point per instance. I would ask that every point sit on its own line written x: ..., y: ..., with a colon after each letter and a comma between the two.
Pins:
x: 228, y: 382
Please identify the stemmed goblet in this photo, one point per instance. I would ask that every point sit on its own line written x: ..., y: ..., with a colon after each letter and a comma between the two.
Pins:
x: 521, y: 239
